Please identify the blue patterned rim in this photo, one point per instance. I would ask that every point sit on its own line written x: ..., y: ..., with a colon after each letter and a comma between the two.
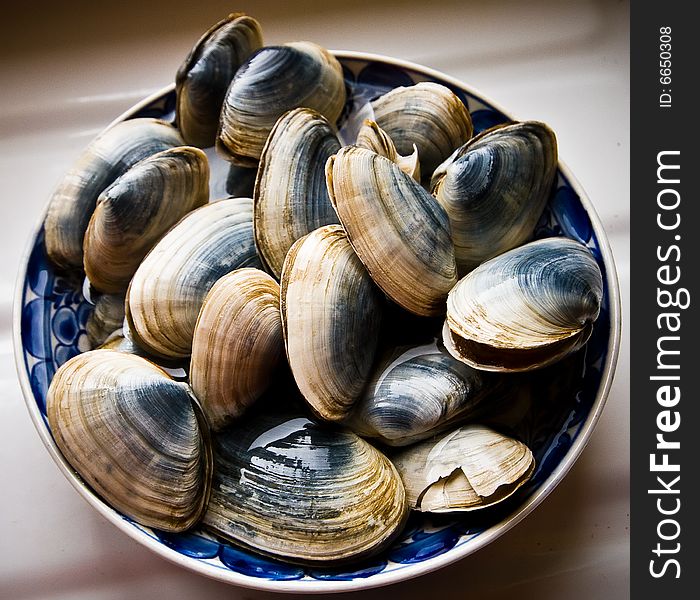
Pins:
x: 50, y: 321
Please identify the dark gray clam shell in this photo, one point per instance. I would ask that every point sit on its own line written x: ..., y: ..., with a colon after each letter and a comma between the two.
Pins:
x: 291, y: 488
x: 106, y: 158
x: 526, y: 308
x: 135, y: 211
x: 291, y: 198
x: 167, y: 290
x: 204, y: 76
x: 417, y: 393
x: 105, y: 319
x: 134, y: 435
x: 272, y: 81
x: 494, y: 189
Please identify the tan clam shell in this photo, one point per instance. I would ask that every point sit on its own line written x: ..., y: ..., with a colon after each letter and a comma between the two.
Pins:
x: 470, y: 468
x: 331, y: 313
x: 290, y: 198
x: 427, y: 115
x: 374, y: 138
x: 167, y: 290
x: 398, y: 230
x: 134, y: 435
x: 288, y: 487
x: 237, y: 344
x: 135, y: 211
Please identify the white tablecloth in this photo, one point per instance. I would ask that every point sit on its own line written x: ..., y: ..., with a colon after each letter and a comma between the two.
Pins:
x: 69, y: 69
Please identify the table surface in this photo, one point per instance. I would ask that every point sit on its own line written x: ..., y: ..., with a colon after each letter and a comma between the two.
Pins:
x: 67, y: 72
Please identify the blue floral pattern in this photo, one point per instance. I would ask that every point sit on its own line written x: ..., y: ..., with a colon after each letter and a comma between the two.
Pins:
x: 55, y: 313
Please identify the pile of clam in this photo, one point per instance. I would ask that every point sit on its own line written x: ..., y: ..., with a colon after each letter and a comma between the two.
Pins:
x: 296, y: 370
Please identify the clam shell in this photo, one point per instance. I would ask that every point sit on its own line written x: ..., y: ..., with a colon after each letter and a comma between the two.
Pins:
x: 272, y: 81
x: 494, y: 189
x: 167, y: 290
x: 526, y: 308
x: 398, y: 230
x: 290, y: 196
x: 427, y: 115
x: 203, y: 78
x: 237, y: 344
x: 469, y: 468
x: 135, y: 211
x: 105, y: 319
x: 106, y: 158
x: 331, y: 314
x: 374, y: 138
x: 134, y: 435
x: 417, y: 392
x: 290, y: 488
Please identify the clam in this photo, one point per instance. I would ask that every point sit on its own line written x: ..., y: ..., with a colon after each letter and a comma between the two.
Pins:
x: 237, y: 344
x: 134, y: 435
x: 202, y: 80
x: 287, y: 487
x: 374, y: 138
x: 469, y: 468
x: 417, y: 392
x: 168, y: 289
x: 106, y: 158
x: 331, y: 314
x: 290, y: 196
x: 272, y: 81
x: 427, y: 115
x: 526, y: 308
x: 398, y: 230
x: 106, y: 318
x: 494, y: 189
x: 135, y: 211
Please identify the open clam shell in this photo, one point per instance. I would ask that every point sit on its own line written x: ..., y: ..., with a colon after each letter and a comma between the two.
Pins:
x: 290, y: 488
x: 374, y: 138
x: 416, y: 393
x: 427, y: 115
x: 237, y: 344
x: 134, y: 435
x: 106, y: 158
x: 331, y: 315
x: 290, y: 198
x: 272, y: 81
x: 203, y: 78
x: 398, y: 230
x: 469, y: 468
x: 135, y: 211
x: 167, y: 290
x: 526, y: 308
x: 494, y: 189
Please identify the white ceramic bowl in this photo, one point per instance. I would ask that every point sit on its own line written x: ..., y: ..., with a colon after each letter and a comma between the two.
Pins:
x: 49, y: 327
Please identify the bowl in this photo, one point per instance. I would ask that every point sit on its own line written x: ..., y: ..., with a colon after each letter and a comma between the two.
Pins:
x: 49, y: 328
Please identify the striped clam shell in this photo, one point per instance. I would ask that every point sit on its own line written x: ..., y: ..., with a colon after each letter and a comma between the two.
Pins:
x: 290, y: 198
x: 290, y: 488
x: 135, y: 211
x: 494, y: 189
x: 331, y: 315
x: 237, y: 344
x: 203, y: 78
x: 467, y: 469
x: 134, y: 435
x: 374, y: 138
x: 427, y: 115
x: 272, y: 81
x: 398, y: 230
x: 106, y: 158
x: 167, y: 290
x: 526, y: 308
x: 417, y: 392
